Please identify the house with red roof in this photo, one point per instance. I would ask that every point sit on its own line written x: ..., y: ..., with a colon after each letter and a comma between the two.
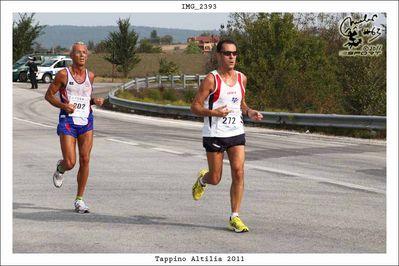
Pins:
x: 206, y: 43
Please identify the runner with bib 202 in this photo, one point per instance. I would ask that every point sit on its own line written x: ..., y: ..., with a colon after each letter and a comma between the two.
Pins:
x: 75, y: 122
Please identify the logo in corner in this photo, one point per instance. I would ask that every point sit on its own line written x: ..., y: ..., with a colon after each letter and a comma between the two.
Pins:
x: 360, y: 33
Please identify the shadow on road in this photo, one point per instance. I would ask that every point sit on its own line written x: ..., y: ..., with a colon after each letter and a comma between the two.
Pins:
x: 45, y: 214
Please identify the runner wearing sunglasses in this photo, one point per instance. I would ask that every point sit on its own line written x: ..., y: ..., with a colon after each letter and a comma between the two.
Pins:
x: 221, y: 101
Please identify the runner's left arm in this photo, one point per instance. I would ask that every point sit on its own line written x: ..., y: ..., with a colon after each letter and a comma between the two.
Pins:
x: 251, y: 113
x: 99, y: 101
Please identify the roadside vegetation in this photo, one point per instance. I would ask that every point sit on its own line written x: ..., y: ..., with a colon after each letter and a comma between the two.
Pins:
x: 180, y: 97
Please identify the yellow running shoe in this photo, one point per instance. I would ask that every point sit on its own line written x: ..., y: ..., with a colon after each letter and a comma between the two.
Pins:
x: 198, y: 189
x: 237, y: 225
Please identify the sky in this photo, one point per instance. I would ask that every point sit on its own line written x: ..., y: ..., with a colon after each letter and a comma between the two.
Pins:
x: 192, y: 21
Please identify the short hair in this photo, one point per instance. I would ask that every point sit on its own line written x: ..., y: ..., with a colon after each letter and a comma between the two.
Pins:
x: 76, y: 43
x: 221, y: 42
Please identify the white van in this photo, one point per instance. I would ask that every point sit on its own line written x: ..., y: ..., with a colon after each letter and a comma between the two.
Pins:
x: 20, y: 69
x: 48, y: 69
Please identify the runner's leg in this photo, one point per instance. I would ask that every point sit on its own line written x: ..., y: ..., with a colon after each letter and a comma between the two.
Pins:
x: 85, y: 143
x: 215, y: 164
x: 68, y: 148
x: 237, y: 157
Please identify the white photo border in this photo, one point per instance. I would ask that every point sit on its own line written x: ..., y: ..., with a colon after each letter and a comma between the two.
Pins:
x: 10, y: 7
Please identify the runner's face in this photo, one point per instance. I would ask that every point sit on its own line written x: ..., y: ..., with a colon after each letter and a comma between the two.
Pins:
x: 79, y: 54
x: 228, y: 61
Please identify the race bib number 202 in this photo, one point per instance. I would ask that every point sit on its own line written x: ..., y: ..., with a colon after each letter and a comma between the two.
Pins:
x: 82, y: 106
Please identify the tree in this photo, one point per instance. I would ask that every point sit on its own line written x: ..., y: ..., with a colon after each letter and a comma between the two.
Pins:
x: 154, y: 38
x: 100, y: 47
x: 362, y: 79
x: 147, y: 47
x: 167, y: 39
x: 287, y: 69
x: 167, y: 67
x: 122, y: 47
x: 25, y: 34
x: 90, y: 45
x: 193, y: 48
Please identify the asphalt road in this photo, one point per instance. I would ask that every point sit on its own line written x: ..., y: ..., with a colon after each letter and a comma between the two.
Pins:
x: 304, y: 193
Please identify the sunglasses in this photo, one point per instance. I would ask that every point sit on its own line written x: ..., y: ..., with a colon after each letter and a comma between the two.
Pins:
x: 228, y: 53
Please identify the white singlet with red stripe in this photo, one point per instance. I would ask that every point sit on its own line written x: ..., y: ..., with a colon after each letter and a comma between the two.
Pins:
x: 78, y: 94
x: 223, y: 94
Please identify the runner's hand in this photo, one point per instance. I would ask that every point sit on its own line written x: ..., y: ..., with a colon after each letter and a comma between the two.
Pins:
x: 222, y: 111
x: 69, y: 108
x: 255, y: 115
x: 98, y: 101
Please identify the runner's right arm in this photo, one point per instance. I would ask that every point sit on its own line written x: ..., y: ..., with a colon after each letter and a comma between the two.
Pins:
x: 58, y: 83
x: 197, y: 107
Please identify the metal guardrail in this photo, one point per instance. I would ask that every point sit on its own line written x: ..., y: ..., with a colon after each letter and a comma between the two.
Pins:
x: 273, y: 118
x: 144, y: 82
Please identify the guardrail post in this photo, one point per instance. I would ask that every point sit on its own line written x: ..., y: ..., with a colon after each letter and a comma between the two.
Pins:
x: 198, y: 79
x: 159, y: 81
x: 172, y: 81
x: 183, y: 77
x: 137, y: 84
x: 146, y: 82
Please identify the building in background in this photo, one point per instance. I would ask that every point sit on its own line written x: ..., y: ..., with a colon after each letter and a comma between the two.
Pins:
x: 206, y: 43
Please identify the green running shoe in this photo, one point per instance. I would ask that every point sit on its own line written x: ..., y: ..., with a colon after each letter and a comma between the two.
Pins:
x: 198, y: 189
x: 237, y: 225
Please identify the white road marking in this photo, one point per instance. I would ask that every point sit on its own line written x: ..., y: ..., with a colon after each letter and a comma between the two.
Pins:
x: 168, y: 151
x: 123, y: 142
x: 34, y: 123
x: 153, y: 148
x: 148, y: 119
x: 320, y: 179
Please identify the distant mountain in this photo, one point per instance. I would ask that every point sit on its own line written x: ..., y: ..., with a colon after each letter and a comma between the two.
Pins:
x: 64, y: 35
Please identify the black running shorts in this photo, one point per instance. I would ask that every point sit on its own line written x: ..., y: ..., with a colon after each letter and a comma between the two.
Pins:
x: 214, y: 144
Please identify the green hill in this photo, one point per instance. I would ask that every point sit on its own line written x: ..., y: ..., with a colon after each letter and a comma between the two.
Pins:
x: 64, y: 35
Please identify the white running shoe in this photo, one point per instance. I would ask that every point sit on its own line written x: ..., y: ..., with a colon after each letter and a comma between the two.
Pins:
x: 81, y: 207
x: 58, y: 177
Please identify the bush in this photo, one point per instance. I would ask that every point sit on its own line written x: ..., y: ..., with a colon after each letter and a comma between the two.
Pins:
x: 125, y: 95
x: 167, y: 67
x: 170, y: 94
x: 189, y: 95
x: 193, y: 48
x: 147, y: 47
x: 152, y: 94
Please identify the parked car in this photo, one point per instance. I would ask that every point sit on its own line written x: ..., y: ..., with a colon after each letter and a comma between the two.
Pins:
x: 50, y: 67
x: 20, y: 68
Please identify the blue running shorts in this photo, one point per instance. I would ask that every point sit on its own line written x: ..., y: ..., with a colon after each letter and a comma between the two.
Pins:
x: 67, y: 128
